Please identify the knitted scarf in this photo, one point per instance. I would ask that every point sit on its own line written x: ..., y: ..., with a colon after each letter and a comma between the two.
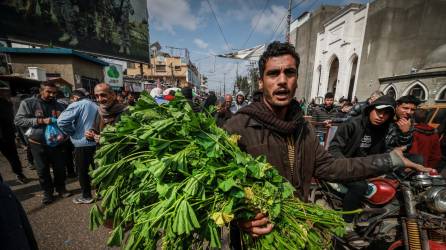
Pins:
x: 261, y: 113
x: 109, y: 114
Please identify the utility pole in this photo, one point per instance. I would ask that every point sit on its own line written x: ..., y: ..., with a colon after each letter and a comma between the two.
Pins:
x: 288, y: 19
x: 224, y: 83
x: 236, y: 79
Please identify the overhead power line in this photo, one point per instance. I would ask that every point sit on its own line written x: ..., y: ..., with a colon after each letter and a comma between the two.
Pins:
x: 255, y: 26
x: 293, y: 7
x: 277, y: 27
x: 297, y: 4
x: 218, y: 23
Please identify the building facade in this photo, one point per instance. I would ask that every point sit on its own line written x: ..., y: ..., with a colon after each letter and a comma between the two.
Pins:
x: 402, y: 40
x: 389, y: 45
x: 303, y: 36
x: 428, y: 83
x: 169, y: 69
x: 338, y: 49
x: 80, y: 70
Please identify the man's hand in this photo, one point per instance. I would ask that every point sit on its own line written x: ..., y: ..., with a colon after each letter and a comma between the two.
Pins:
x: 327, y: 123
x: 404, y: 124
x: 258, y: 226
x: 408, y: 163
x: 44, y: 121
x: 90, y: 135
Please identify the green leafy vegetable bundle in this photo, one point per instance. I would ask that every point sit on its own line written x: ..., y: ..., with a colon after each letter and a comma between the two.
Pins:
x: 173, y: 178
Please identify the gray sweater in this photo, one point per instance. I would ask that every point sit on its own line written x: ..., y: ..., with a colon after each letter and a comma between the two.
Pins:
x: 32, y: 108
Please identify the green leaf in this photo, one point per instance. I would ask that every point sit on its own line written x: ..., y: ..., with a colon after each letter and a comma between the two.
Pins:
x: 158, y: 144
x: 275, y: 211
x: 95, y: 217
x: 227, y: 184
x: 163, y: 189
x: 254, y: 169
x: 215, y: 238
x: 193, y: 216
x: 288, y: 190
x: 116, y: 237
x: 157, y: 168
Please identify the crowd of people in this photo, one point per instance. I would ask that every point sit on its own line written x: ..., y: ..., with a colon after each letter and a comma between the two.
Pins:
x: 373, y: 137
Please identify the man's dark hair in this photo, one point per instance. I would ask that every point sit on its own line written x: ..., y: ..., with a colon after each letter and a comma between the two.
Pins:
x: 420, y: 116
x: 47, y: 84
x: 78, y: 93
x: 34, y: 91
x: 329, y: 95
x: 275, y: 49
x: 347, y: 103
x: 187, y: 93
x: 408, y: 99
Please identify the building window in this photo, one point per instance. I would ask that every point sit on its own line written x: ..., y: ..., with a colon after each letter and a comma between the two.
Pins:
x: 160, y: 59
x: 418, y: 92
x: 53, y: 75
x: 89, y: 83
x: 160, y: 68
x: 391, y: 92
x: 177, y: 68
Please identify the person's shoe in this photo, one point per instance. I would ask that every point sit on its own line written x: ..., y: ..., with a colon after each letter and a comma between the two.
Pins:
x: 21, y: 178
x: 82, y: 200
x: 64, y: 194
x: 47, y: 199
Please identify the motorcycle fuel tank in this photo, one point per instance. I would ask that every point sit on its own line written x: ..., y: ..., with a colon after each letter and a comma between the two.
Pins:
x: 383, y: 191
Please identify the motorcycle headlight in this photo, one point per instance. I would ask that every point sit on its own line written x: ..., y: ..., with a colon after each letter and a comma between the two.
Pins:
x: 436, y: 199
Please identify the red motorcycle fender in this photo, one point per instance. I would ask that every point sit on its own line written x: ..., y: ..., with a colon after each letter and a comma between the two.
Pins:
x: 433, y: 245
x: 396, y: 244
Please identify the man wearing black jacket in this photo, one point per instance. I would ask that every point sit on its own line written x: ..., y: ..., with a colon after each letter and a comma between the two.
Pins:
x: 7, y: 136
x: 36, y: 114
x: 362, y: 136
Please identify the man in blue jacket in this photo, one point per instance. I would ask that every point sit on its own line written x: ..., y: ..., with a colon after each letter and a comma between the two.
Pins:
x: 78, y: 118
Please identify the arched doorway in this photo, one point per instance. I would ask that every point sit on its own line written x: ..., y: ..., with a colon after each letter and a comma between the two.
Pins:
x: 352, y: 77
x: 391, y: 92
x: 333, y: 75
x: 418, y: 90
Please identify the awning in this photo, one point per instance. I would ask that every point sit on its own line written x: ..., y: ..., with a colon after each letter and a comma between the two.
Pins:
x: 252, y: 54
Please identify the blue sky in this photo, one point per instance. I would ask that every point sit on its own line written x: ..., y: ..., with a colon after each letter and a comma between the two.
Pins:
x: 191, y: 24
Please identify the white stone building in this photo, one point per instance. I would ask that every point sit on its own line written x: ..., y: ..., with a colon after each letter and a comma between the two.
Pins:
x: 338, y: 51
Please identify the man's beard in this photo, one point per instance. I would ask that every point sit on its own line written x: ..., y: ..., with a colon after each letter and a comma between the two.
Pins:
x: 106, y: 105
x: 49, y: 99
x: 329, y: 108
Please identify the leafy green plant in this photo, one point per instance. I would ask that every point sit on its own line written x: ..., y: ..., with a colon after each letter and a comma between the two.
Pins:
x: 171, y: 176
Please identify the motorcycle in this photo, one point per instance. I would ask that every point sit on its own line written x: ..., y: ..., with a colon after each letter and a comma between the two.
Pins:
x: 401, y: 211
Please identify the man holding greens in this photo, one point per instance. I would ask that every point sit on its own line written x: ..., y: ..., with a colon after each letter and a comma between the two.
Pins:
x: 275, y: 127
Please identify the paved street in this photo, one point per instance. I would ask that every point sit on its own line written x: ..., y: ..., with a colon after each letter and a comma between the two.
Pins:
x: 60, y: 225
